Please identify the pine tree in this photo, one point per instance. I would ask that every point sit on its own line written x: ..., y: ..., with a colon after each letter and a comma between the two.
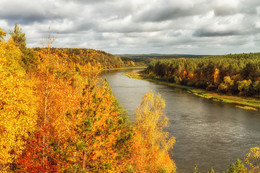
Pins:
x: 19, y: 37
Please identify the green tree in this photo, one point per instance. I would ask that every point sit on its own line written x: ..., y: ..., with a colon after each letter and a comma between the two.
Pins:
x: 211, y: 170
x: 19, y: 37
x: 29, y: 61
x: 237, y: 167
x: 256, y: 86
x: 244, y: 86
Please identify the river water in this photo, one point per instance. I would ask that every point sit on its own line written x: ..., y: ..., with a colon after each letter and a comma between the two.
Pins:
x: 208, y: 134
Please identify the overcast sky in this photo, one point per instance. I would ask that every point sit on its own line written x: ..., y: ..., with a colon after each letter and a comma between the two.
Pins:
x: 139, y: 26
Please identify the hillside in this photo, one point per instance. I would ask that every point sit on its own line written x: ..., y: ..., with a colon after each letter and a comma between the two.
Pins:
x: 83, y: 56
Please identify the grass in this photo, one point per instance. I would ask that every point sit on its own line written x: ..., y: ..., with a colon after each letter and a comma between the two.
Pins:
x: 240, y: 102
x: 247, y: 107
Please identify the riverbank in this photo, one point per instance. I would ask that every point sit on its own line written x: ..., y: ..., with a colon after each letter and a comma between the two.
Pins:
x: 240, y: 102
x: 125, y: 68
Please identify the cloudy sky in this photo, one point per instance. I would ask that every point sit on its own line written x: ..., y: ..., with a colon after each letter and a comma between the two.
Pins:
x: 139, y: 26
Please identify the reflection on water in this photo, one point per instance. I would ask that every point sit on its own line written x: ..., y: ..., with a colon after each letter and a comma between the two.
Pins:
x: 209, y: 134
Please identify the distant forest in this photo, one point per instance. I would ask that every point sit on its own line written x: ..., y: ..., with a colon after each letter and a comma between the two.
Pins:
x: 145, y: 59
x: 236, y: 74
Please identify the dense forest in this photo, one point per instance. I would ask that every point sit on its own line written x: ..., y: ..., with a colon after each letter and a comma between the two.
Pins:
x: 145, y: 59
x: 83, y: 56
x: 236, y: 74
x: 58, y: 115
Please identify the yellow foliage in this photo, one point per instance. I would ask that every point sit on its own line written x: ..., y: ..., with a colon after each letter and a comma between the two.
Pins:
x: 17, y: 104
x: 2, y: 34
x: 97, y: 123
x: 151, y: 143
x: 253, y: 160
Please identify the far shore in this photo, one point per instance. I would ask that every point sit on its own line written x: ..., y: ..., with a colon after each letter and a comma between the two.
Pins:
x: 125, y: 68
x: 240, y: 102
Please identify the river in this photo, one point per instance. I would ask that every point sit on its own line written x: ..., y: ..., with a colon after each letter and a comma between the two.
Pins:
x: 208, y: 134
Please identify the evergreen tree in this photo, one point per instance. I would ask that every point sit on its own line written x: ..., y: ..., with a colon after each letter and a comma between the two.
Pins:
x: 19, y: 37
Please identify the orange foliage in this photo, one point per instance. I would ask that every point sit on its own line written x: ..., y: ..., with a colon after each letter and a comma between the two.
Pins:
x: 184, y: 73
x: 237, y: 77
x: 190, y: 76
x: 33, y: 158
x: 58, y: 98
x: 216, y: 75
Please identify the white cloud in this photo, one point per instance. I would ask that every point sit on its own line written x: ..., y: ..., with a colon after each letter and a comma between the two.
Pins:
x: 116, y: 26
x: 224, y: 7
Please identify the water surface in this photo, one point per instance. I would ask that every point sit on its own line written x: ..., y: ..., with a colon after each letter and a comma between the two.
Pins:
x: 208, y: 134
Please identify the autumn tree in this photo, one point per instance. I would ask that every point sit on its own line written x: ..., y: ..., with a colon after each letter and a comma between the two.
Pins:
x: 33, y: 157
x: 17, y: 105
x: 244, y: 86
x: 151, y: 143
x: 251, y: 163
x: 53, y: 88
x: 99, y: 131
x: 226, y: 84
x: 237, y: 167
x: 56, y: 100
x: 47, y: 124
x: 252, y: 159
x: 79, y: 129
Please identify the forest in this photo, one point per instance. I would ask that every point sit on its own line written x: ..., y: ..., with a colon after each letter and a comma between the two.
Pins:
x: 58, y: 115
x: 234, y: 74
x: 145, y: 59
x: 83, y: 56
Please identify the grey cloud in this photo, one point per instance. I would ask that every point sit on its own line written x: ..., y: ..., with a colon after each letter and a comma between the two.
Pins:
x: 30, y: 19
x: 210, y: 33
x: 222, y: 11
x: 157, y: 15
x: 226, y: 8
x: 88, y: 1
x: 166, y: 10
x: 23, y: 16
x: 35, y: 11
x: 76, y: 27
